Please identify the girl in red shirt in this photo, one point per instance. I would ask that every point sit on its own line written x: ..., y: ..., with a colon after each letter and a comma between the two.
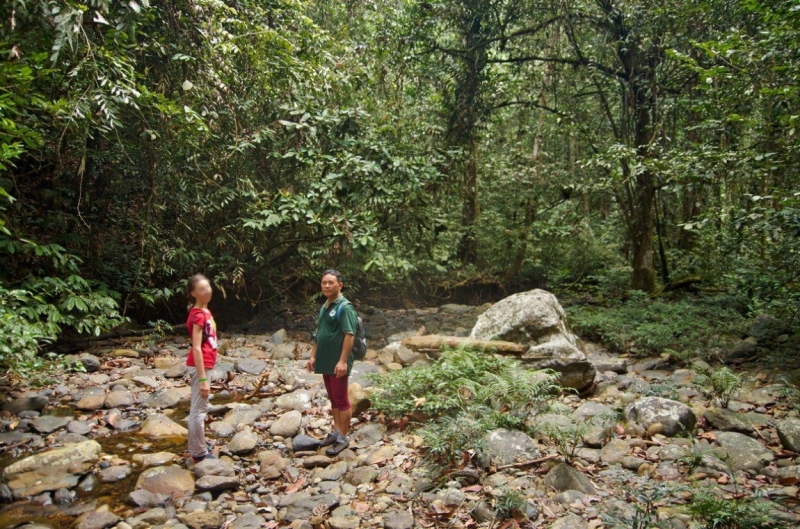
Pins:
x: 201, y: 360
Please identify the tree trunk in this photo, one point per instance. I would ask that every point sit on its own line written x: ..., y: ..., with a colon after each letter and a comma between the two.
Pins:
x: 468, y: 251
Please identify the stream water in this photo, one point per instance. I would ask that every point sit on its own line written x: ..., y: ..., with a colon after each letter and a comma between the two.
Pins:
x: 123, y: 445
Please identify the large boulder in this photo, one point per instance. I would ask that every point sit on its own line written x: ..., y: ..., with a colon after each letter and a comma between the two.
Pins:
x: 53, y: 470
x: 509, y: 446
x: 171, y: 480
x: 536, y: 318
x: 158, y: 426
x: 669, y: 417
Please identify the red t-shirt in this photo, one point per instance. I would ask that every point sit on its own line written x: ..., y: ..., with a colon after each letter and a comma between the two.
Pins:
x: 205, y: 320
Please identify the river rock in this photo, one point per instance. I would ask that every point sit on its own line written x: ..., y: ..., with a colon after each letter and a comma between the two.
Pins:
x: 251, y: 366
x: 789, y: 434
x: 144, y: 498
x: 333, y: 472
x: 49, y: 423
x: 114, y: 473
x: 171, y: 480
x: 156, y: 459
x: 508, y: 446
x: 178, y: 370
x: 537, y: 319
x: 33, y: 403
x: 271, y: 464
x: 96, y: 520
x: 118, y: 399
x: 159, y: 426
x: 91, y: 402
x: 570, y: 521
x: 745, y: 453
x: 563, y: 477
x: 304, y: 443
x: 214, y: 467
x: 359, y: 401
x: 614, y: 451
x: 49, y: 471
x: 360, y: 475
x: 248, y: 521
x: 673, y: 416
x: 243, y: 442
x: 164, y: 398
x: 398, y: 520
x: 242, y: 415
x: 299, y: 400
x: 202, y: 520
x: 217, y: 483
x: 287, y: 425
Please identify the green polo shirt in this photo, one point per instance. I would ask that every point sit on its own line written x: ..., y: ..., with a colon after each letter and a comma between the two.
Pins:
x: 330, y: 336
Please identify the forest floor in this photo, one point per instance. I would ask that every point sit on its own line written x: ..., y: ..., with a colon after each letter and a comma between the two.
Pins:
x: 108, y: 449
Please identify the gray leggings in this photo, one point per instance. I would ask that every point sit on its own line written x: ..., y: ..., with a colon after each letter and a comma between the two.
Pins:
x: 197, y: 419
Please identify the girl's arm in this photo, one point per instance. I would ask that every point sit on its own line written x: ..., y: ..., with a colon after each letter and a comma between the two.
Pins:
x: 197, y: 353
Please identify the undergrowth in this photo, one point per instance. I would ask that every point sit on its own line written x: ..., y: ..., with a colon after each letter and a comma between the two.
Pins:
x: 650, y: 326
x: 463, y: 394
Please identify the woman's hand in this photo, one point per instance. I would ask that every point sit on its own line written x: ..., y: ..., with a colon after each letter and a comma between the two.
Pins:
x: 205, y: 390
x: 340, y: 370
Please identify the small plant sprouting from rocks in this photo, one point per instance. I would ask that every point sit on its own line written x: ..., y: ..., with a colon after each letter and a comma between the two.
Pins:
x: 713, y: 512
x: 567, y: 439
x: 722, y: 383
x: 510, y: 504
x: 449, y: 438
x: 646, y: 500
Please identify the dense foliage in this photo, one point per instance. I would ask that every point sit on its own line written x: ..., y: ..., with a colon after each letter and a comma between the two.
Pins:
x: 428, y: 148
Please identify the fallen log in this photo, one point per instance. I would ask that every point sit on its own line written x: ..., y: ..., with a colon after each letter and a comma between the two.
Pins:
x: 433, y: 343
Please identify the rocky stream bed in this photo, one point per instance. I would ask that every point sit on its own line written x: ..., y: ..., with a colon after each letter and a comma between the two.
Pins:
x: 106, y: 447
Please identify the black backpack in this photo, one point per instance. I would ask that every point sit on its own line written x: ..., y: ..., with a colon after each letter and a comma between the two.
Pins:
x: 359, y: 350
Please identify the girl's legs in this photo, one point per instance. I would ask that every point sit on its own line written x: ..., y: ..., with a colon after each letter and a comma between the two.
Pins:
x: 197, y: 420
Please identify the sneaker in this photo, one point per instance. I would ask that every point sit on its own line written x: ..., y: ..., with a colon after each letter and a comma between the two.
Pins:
x: 203, y: 458
x: 329, y: 440
x: 337, y: 447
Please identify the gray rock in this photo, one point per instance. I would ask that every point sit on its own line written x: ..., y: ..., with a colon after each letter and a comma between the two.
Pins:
x: 17, y: 406
x: 370, y: 434
x: 508, y: 446
x: 144, y: 498
x: 304, y: 443
x: 243, y: 442
x: 589, y: 410
x: 164, y: 398
x: 744, y: 350
x: 398, y: 520
x: 214, y: 467
x: 570, y: 521
x: 248, y: 521
x: 118, y: 399
x: 242, y: 415
x: 299, y: 400
x: 53, y: 470
x: 333, y: 472
x: 90, y: 362
x: 563, y: 477
x: 271, y: 464
x: 728, y: 420
x: 114, y: 473
x: 789, y: 434
x: 63, y: 497
x: 303, y: 508
x: 96, y: 520
x: 745, y: 453
x: 158, y: 426
x: 360, y: 475
x: 49, y: 423
x: 613, y: 452
x: 287, y: 425
x: 674, y: 417
x: 361, y: 373
x: 536, y: 318
x: 279, y: 337
x: 178, y: 370
x: 251, y: 366
x: 217, y: 483
x: 167, y: 480
x: 765, y: 327
x: 344, y: 522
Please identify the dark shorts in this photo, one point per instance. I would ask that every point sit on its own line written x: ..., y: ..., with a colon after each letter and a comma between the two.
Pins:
x: 337, y: 391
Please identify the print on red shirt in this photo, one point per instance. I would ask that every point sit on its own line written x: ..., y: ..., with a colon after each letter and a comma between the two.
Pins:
x: 205, y: 320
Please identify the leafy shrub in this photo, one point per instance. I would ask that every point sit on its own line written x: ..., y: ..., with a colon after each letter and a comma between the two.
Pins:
x: 510, y: 503
x: 654, y: 325
x: 35, y: 311
x: 465, y: 393
x: 460, y: 380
